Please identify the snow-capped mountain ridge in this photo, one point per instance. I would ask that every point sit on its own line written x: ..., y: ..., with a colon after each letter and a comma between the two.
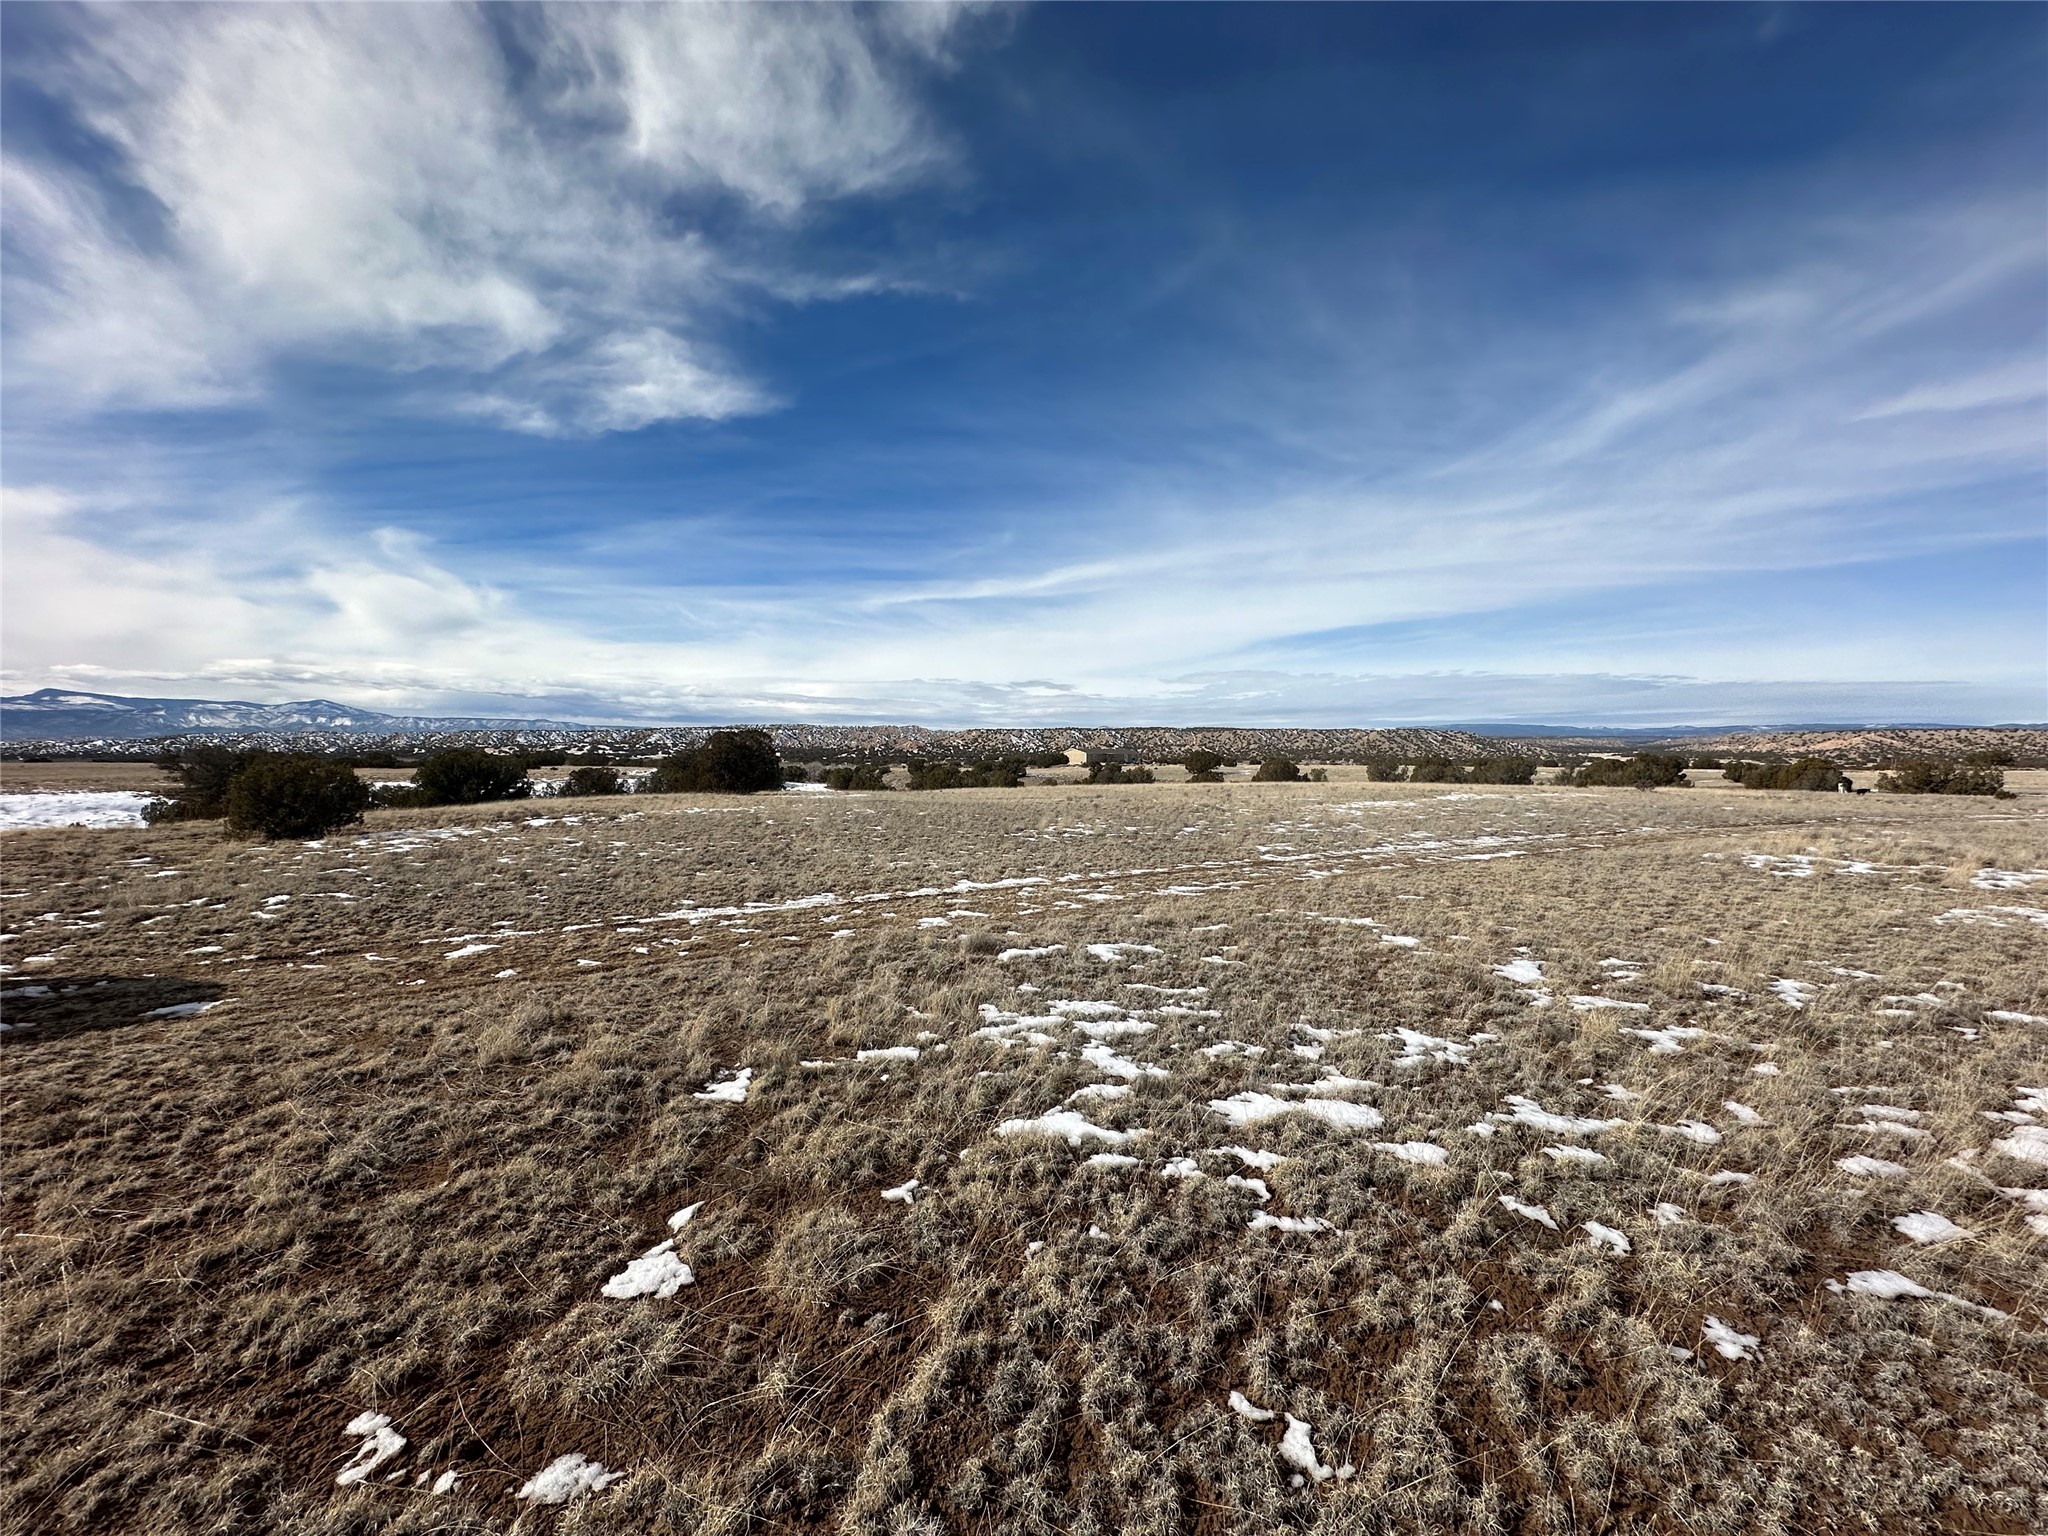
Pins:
x: 57, y: 714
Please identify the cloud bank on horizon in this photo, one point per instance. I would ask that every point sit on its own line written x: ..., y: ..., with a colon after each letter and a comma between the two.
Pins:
x: 1320, y: 365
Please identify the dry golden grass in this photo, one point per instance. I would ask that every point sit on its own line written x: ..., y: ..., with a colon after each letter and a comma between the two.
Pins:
x: 381, y: 1175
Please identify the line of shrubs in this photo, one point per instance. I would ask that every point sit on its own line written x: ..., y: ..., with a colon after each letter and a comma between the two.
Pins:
x: 1445, y: 770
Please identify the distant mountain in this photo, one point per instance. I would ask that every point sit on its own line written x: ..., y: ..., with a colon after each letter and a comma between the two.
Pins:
x: 60, y: 714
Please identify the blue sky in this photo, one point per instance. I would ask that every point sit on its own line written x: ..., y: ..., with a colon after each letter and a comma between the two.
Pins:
x: 1325, y: 364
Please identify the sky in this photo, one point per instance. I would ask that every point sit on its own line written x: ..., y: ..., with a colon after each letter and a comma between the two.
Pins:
x: 1318, y: 365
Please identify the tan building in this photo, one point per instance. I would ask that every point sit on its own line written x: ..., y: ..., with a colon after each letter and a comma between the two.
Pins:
x: 1081, y: 757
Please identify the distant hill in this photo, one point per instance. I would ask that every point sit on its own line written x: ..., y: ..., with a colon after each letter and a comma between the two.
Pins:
x: 60, y: 714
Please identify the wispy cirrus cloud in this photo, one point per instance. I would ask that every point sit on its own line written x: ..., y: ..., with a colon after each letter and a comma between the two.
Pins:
x: 498, y: 203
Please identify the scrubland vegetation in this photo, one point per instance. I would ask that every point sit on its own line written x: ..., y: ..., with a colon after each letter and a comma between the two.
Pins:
x: 1337, y: 1157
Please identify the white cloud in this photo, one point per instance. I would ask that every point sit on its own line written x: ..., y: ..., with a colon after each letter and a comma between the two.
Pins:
x: 400, y: 187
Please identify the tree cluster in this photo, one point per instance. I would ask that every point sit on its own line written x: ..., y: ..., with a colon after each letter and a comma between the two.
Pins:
x: 1646, y: 770
x: 1945, y: 776
x: 260, y: 794
x: 728, y: 763
x: 1810, y: 773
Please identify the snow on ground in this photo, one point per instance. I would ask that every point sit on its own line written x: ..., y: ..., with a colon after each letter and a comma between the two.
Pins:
x: 1727, y: 1342
x: 2007, y: 879
x: 1890, y: 1285
x: 1871, y: 1167
x: 733, y: 1090
x: 1264, y: 1221
x: 1245, y: 1408
x: 377, y: 1443
x: 1427, y: 1153
x: 73, y: 808
x: 180, y: 1010
x: 565, y: 1478
x: 1794, y: 994
x: 1242, y: 1109
x: 1586, y: 1003
x: 2028, y: 1143
x: 1929, y: 1227
x: 1526, y: 1111
x: 1298, y: 1450
x: 657, y: 1272
x: 1070, y: 1126
x: 1666, y: 1042
x: 1111, y: 954
x: 906, y: 1192
x: 1603, y: 1236
x: 1535, y: 1213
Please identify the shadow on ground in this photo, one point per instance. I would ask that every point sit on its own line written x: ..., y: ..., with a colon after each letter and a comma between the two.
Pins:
x: 40, y: 1009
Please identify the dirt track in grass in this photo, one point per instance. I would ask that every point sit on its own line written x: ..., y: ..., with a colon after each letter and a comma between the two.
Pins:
x: 299, y: 1133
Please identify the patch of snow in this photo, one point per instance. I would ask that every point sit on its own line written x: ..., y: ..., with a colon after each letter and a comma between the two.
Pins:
x: 1245, y: 1408
x: 1248, y: 1108
x: 1265, y: 1162
x: 377, y: 1443
x: 1586, y: 1004
x: 1426, y: 1153
x: 1526, y: 1111
x: 1794, y: 994
x: 1665, y: 1042
x: 889, y: 1053
x: 1297, y: 1450
x: 73, y: 808
x: 180, y: 1010
x: 1535, y: 1213
x: 657, y: 1272
x: 1727, y: 1342
x: 1573, y: 1155
x: 905, y: 1192
x: 1744, y: 1114
x: 1029, y: 954
x: 1112, y: 954
x: 1693, y: 1130
x: 1871, y: 1167
x: 1665, y: 1214
x: 1929, y: 1227
x: 681, y: 1219
x: 733, y: 1090
x: 2007, y: 1016
x: 1071, y: 1127
x: 1890, y: 1285
x: 1603, y: 1236
x: 1528, y: 973
x: 1263, y: 1221
x: 1181, y: 1168
x: 2029, y: 1143
x: 565, y: 1478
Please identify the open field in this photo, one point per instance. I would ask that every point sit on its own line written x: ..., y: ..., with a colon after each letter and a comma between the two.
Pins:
x: 1240, y: 1158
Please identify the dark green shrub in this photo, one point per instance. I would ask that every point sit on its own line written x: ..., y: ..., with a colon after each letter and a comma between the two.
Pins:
x: 1810, y: 773
x: 1319, y: 775
x: 1202, y: 767
x: 936, y: 776
x: 999, y: 773
x: 1050, y: 758
x: 1990, y: 757
x: 1944, y: 776
x: 294, y: 796
x: 1117, y: 773
x: 469, y: 776
x: 1277, y: 770
x: 795, y: 773
x: 1705, y: 762
x: 729, y: 763
x: 398, y: 797
x: 203, y: 775
x: 593, y: 780
x: 866, y: 776
x: 1436, y: 770
x: 1646, y: 770
x: 1384, y: 770
x: 1503, y: 770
